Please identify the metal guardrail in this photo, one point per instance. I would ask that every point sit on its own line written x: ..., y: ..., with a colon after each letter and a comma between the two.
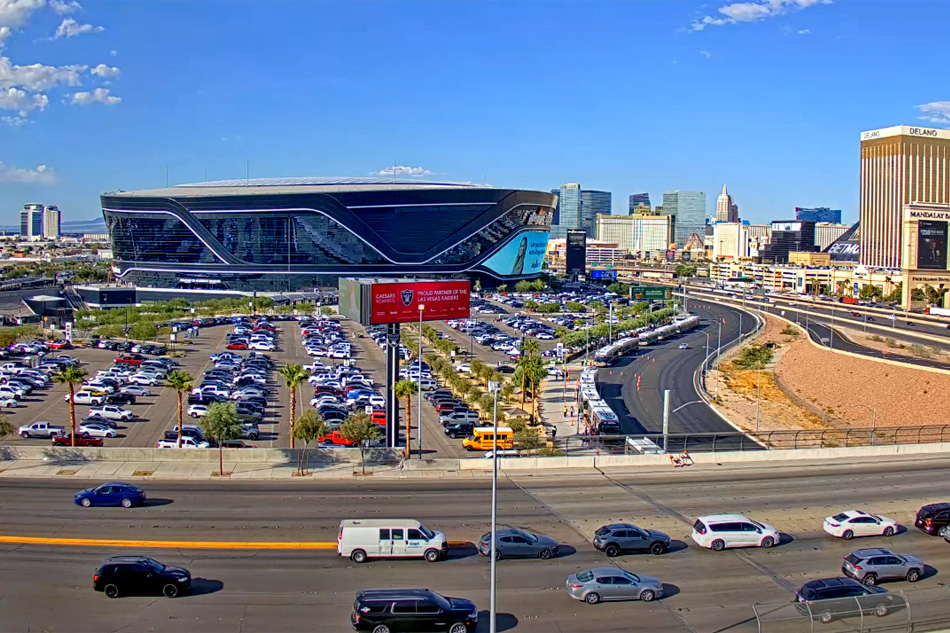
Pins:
x: 902, y: 611
x: 768, y: 440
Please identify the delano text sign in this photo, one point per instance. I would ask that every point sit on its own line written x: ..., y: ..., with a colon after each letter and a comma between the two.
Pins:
x: 650, y: 293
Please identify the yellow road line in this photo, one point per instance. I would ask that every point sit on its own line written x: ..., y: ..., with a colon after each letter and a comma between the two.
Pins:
x: 98, y: 542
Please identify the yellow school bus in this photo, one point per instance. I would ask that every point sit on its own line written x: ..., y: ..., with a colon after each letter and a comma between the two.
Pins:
x: 483, y: 438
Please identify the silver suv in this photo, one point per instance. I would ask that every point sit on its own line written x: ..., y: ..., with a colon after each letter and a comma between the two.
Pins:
x: 874, y: 564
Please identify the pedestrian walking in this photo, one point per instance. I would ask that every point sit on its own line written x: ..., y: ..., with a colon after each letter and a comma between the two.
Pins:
x: 565, y: 411
x: 553, y: 433
x: 572, y: 412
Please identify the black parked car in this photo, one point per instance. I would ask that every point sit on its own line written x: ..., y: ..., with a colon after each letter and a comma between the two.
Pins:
x: 461, y: 429
x: 120, y: 398
x: 139, y: 575
x: 385, y: 610
x: 206, y: 398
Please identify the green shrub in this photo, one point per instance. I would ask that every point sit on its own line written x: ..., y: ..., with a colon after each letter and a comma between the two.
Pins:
x: 754, y: 357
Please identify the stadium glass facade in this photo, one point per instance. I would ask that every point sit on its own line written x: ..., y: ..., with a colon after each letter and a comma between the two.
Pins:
x: 292, y: 234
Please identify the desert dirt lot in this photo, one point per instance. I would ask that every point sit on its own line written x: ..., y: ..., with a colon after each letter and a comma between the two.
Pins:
x: 806, y: 387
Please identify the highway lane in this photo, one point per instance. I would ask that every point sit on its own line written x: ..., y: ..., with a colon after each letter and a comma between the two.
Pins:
x: 251, y: 590
x: 664, y: 366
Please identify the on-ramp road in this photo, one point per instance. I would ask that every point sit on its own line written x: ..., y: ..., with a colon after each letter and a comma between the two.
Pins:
x: 46, y: 588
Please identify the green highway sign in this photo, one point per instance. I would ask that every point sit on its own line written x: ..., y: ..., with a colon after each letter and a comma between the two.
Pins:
x: 650, y: 293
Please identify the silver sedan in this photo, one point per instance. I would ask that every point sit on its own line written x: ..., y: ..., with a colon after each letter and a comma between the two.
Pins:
x: 515, y: 543
x: 612, y: 583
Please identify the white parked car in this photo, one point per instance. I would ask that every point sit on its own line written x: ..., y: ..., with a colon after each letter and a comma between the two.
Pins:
x: 94, y: 429
x: 135, y: 390
x: 8, y: 402
x: 144, y: 379
x: 262, y: 346
x: 377, y: 401
x: 719, y: 531
x: 463, y: 368
x: 545, y: 336
x: 197, y: 410
x: 851, y: 523
x: 186, y: 442
x: 85, y: 397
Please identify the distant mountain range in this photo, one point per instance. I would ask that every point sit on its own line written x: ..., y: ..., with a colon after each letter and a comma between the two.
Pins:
x: 96, y: 225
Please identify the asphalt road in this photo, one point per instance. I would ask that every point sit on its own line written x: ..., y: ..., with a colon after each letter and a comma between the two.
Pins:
x: 664, y: 366
x: 48, y: 588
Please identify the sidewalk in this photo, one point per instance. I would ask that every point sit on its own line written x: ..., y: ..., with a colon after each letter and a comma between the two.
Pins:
x: 555, y: 394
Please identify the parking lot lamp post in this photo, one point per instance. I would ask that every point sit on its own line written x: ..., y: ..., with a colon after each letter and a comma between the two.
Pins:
x: 873, y: 419
x: 493, y: 388
x: 422, y: 307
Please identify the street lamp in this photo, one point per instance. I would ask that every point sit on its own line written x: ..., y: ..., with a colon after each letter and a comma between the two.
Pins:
x: 873, y: 419
x: 419, y: 381
x: 493, y: 388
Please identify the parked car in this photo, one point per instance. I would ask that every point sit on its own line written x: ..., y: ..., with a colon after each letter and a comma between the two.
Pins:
x: 40, y: 429
x: 612, y: 583
x: 112, y: 412
x: 869, y: 566
x: 620, y: 538
x: 384, y: 610
x: 460, y: 429
x: 186, y: 442
x: 81, y: 440
x: 139, y: 575
x: 851, y: 523
x: 831, y: 598
x: 84, y: 396
x: 136, y: 390
x: 95, y: 429
x: 515, y: 543
x: 114, y: 493
x: 197, y: 410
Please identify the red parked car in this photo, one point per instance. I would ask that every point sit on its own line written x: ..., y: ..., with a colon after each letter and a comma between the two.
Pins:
x: 449, y: 407
x: 236, y: 346
x: 333, y: 391
x: 130, y: 359
x: 61, y: 344
x: 81, y: 440
x: 334, y: 437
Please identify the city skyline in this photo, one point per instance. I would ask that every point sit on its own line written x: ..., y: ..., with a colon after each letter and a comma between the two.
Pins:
x: 93, y: 100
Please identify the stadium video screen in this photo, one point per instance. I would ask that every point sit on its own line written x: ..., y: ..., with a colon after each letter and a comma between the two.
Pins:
x: 932, y: 245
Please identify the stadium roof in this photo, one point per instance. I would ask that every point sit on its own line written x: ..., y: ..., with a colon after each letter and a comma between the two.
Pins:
x: 270, y: 186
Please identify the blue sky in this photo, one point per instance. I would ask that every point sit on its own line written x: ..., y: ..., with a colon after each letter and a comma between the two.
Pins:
x: 767, y: 96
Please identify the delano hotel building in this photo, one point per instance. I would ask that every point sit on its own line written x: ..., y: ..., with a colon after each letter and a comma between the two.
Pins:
x: 900, y: 165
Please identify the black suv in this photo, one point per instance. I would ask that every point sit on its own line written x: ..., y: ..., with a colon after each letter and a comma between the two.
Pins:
x: 385, y: 610
x: 832, y: 598
x: 139, y: 575
x: 120, y: 398
x: 460, y: 429
x: 931, y: 518
x: 618, y: 538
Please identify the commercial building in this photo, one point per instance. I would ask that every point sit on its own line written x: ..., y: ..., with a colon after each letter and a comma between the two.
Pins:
x: 787, y: 237
x: 818, y: 214
x: 594, y: 203
x: 651, y: 234
x: 900, y: 165
x: 726, y: 208
x: 730, y: 241
x: 568, y: 211
x: 599, y: 254
x: 758, y: 230
x: 289, y: 234
x: 617, y: 229
x: 808, y: 258
x: 40, y: 222
x: 638, y: 200
x: 826, y: 234
x: 688, y: 209
x: 805, y: 278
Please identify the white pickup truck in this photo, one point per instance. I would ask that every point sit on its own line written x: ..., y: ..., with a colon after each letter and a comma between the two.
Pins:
x: 111, y: 412
x: 40, y: 429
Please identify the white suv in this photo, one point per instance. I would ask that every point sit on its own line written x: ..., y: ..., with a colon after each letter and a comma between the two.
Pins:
x: 719, y: 531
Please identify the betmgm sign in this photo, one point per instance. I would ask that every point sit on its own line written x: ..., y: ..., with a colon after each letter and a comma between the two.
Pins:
x: 925, y: 248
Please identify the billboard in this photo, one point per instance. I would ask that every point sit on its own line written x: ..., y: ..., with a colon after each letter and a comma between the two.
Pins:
x: 576, y: 252
x: 931, y: 245
x: 398, y: 302
x: 523, y: 255
x: 599, y: 273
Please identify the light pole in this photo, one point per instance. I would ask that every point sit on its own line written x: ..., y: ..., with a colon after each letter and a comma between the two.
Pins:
x: 610, y: 319
x: 873, y: 419
x: 718, y: 351
x: 758, y: 393
x: 493, y: 388
x: 706, y: 359
x: 419, y: 381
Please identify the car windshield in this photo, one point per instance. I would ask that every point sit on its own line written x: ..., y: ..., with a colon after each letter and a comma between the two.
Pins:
x: 840, y: 517
x: 758, y: 525
x: 585, y: 576
x: 154, y: 565
x: 632, y: 577
x: 427, y: 532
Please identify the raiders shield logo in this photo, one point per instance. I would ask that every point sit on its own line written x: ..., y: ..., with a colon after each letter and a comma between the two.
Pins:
x: 406, y: 297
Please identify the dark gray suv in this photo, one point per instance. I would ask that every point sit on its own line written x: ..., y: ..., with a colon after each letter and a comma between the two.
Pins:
x: 872, y: 565
x: 620, y: 538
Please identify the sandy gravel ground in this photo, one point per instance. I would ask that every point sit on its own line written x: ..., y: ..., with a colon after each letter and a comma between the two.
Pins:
x: 806, y: 387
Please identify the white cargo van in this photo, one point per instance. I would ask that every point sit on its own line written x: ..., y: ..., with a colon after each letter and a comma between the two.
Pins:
x: 362, y: 539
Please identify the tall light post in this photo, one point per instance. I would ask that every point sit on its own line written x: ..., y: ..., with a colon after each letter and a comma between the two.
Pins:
x: 493, y: 388
x: 758, y: 393
x: 706, y: 359
x: 873, y: 419
x: 610, y: 320
x: 419, y: 381
x: 718, y: 352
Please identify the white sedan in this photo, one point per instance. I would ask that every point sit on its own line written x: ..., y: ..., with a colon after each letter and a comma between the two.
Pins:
x: 851, y: 523
x: 135, y: 390
x: 95, y: 429
x: 463, y: 368
x: 143, y: 379
x: 197, y: 410
x: 9, y: 402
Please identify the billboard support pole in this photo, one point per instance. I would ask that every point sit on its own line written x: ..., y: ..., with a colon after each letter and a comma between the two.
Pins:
x: 392, y: 377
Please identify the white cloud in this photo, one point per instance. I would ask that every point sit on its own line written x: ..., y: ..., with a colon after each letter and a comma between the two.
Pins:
x: 14, y: 121
x: 72, y: 28
x: 39, y: 174
x: 804, y: 32
x: 106, y: 72
x: 21, y: 101
x: 753, y: 11
x: 99, y: 95
x: 38, y: 77
x: 404, y: 170
x: 113, y: 52
x: 61, y: 7
x: 705, y: 54
x: 935, y: 112
x: 16, y: 13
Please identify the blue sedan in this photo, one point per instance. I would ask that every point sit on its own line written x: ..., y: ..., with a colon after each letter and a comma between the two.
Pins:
x: 111, y: 494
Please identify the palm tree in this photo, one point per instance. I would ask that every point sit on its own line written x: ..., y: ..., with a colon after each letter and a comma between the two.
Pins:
x: 71, y: 376
x: 180, y: 381
x: 529, y: 347
x: 407, y: 389
x: 293, y: 374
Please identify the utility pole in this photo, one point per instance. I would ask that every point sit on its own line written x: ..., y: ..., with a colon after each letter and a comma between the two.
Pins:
x: 419, y: 383
x: 758, y: 393
x: 666, y: 419
x: 493, y: 388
